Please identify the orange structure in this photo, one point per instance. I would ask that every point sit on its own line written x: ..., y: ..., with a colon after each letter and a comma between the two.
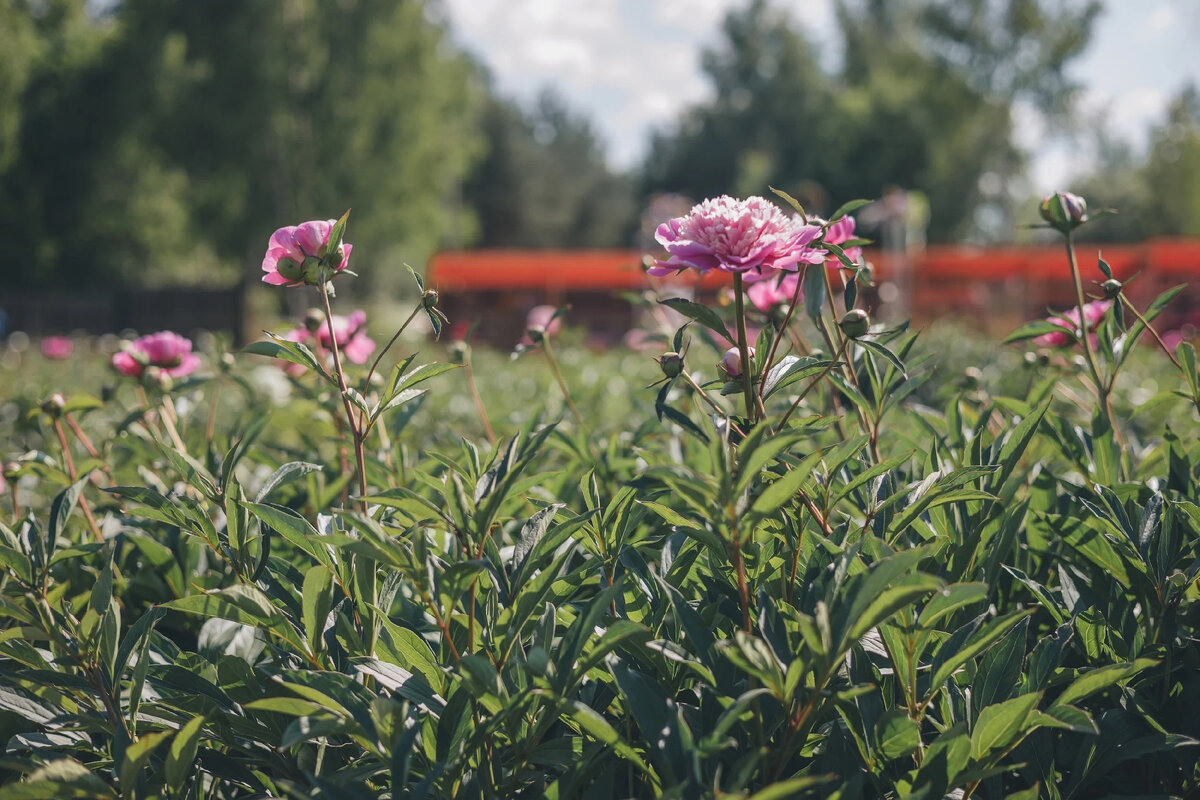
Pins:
x: 996, y: 287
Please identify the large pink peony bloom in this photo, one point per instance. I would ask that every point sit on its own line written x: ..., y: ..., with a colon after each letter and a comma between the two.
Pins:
x: 351, y: 334
x: 294, y: 252
x: 166, y: 350
x: 748, y: 236
x: 1092, y: 312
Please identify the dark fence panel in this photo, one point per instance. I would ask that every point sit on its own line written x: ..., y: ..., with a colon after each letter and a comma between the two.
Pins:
x: 143, y: 310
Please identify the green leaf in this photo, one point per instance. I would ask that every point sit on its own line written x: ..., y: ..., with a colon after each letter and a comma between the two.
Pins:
x: 183, y: 752
x: 702, y: 314
x: 791, y: 201
x: 286, y: 473
x: 294, y: 528
x: 790, y: 788
x: 897, y: 734
x: 317, y: 598
x: 847, y: 207
x: 60, y: 511
x: 1000, y: 725
x: 137, y: 755
x: 814, y: 290
x: 1100, y: 678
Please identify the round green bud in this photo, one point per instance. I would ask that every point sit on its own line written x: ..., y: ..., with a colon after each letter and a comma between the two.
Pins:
x: 855, y: 323
x: 671, y: 364
x: 1112, y: 288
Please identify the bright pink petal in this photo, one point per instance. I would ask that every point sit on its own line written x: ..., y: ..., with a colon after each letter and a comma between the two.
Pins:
x: 126, y: 364
x: 359, y: 349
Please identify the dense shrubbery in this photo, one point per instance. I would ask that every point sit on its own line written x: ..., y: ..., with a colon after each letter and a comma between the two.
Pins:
x: 926, y: 580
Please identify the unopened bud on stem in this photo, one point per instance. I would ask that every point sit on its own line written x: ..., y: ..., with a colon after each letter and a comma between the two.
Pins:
x: 855, y: 323
x: 671, y: 364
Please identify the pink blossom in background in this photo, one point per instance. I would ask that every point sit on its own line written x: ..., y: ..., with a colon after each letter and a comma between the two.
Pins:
x: 766, y: 295
x: 543, y: 317
x: 751, y: 236
x: 290, y: 246
x: 1093, y: 313
x: 350, y: 332
x: 166, y: 350
x: 839, y: 232
x: 57, y: 348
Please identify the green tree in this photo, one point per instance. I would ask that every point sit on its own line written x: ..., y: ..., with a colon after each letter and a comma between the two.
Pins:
x: 922, y: 100
x: 544, y: 181
x: 211, y: 124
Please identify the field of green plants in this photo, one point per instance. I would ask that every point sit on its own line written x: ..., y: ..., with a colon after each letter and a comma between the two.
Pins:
x: 850, y: 561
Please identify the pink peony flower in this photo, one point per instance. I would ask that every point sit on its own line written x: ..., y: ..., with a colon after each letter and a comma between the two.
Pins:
x: 731, y: 362
x: 838, y: 232
x: 350, y: 332
x: 742, y: 236
x: 166, y: 350
x: 769, y: 294
x: 57, y: 348
x: 1092, y: 312
x: 294, y: 253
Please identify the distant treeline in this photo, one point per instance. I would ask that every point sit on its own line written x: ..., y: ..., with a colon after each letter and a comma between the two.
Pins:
x: 159, y: 142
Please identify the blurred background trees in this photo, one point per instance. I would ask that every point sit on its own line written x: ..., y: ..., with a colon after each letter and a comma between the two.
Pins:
x: 152, y: 142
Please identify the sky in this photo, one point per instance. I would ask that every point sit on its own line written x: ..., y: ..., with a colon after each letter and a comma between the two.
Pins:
x: 633, y: 65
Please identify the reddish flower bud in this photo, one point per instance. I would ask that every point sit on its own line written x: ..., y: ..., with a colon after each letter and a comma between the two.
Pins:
x: 1064, y: 211
x: 731, y: 362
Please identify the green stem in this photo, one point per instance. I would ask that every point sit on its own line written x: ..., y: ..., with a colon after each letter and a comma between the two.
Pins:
x: 815, y: 381
x: 343, y: 391
x: 743, y: 348
x: 386, y: 347
x: 762, y: 383
x: 562, y: 384
x: 1150, y: 328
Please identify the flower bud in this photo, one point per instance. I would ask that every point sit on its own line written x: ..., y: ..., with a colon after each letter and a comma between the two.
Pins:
x: 430, y: 298
x: 778, y: 315
x: 54, y: 405
x: 227, y: 360
x: 856, y: 323
x: 731, y: 362
x: 460, y: 351
x: 289, y: 269
x: 972, y: 376
x: 1064, y: 211
x: 313, y: 271
x: 1112, y: 288
x: 314, y: 318
x: 536, y: 333
x: 671, y: 364
x: 12, y: 470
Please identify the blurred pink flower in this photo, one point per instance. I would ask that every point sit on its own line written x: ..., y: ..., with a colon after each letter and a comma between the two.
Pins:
x: 287, y: 262
x: 1092, y: 312
x: 541, y: 317
x: 766, y: 295
x: 166, y: 350
x: 351, y: 334
x: 741, y: 236
x: 57, y: 348
x: 839, y: 232
x: 731, y: 362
